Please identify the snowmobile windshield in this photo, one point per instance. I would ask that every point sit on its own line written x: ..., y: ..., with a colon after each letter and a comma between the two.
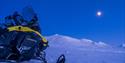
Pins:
x: 28, y: 13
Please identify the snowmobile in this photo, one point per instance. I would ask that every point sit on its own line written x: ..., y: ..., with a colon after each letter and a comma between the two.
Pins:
x: 21, y: 40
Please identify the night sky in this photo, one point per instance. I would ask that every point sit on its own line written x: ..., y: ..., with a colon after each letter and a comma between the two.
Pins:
x: 76, y: 18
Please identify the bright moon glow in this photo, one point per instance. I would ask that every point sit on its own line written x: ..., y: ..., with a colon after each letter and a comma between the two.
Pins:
x: 99, y: 13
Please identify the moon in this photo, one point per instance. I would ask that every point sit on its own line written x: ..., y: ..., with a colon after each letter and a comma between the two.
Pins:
x: 99, y: 13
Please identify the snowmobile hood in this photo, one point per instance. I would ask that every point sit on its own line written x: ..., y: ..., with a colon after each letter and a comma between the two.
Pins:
x: 27, y: 29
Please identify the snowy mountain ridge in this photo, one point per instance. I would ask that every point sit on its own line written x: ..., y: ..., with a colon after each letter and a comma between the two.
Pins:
x: 75, y: 41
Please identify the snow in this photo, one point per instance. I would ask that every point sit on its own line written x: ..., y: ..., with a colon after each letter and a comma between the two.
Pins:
x: 82, y: 50
x: 66, y: 40
x: 102, y: 44
x: 123, y: 45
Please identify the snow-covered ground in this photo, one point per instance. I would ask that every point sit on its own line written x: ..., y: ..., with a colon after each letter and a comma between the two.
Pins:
x: 82, y: 50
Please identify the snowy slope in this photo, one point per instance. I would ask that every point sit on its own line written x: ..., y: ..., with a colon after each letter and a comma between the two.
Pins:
x: 82, y: 50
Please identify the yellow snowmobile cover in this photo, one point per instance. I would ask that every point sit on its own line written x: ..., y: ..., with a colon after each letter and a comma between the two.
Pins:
x: 27, y: 29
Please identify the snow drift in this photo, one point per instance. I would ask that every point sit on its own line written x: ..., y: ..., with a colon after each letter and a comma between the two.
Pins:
x: 82, y: 50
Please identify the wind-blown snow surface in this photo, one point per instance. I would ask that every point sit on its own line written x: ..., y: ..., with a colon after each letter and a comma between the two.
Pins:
x: 82, y: 50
